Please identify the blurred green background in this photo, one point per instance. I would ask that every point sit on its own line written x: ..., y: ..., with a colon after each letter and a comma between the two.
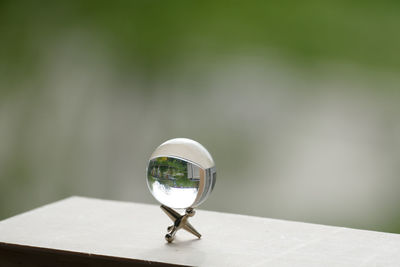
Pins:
x: 298, y: 102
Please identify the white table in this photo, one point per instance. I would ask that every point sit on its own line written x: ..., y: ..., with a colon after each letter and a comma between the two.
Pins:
x: 89, y: 231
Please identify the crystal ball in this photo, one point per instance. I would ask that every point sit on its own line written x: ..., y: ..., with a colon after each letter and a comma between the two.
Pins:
x: 181, y: 173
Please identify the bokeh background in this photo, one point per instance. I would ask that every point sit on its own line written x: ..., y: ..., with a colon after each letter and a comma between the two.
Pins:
x: 297, y: 101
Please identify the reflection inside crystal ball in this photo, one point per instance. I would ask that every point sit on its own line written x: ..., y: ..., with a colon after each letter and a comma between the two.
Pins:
x: 173, y: 182
x: 181, y: 173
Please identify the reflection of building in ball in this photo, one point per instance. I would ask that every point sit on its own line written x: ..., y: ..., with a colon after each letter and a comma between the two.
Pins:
x: 193, y: 173
x: 181, y: 173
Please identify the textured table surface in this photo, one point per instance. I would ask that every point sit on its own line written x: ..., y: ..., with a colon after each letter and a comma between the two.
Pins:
x: 136, y: 231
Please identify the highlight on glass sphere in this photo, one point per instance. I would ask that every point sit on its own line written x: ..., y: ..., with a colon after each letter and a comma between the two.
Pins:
x: 181, y: 173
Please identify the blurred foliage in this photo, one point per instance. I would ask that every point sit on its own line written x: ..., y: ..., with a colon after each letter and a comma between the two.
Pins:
x: 153, y: 35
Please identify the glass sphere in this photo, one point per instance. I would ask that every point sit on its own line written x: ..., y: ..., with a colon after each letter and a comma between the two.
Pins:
x: 181, y: 173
